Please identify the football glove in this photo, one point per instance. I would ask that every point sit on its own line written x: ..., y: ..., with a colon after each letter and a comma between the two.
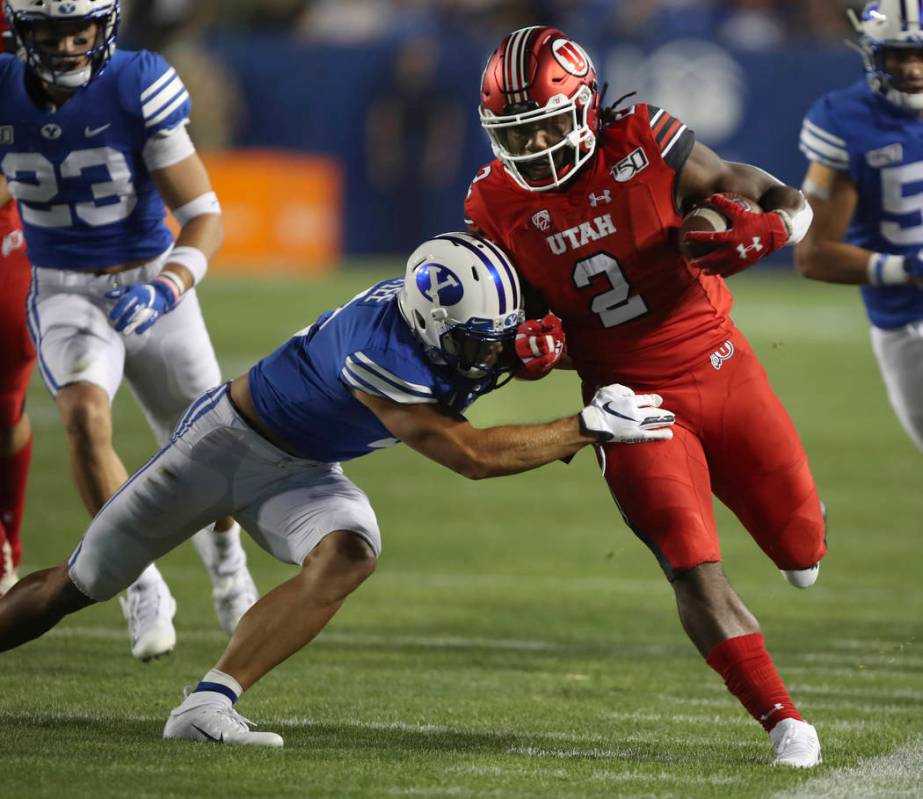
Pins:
x: 539, y: 346
x: 749, y: 237
x: 616, y: 414
x: 913, y: 266
x: 140, y: 305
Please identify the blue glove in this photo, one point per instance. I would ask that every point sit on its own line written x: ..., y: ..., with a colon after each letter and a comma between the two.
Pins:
x: 140, y: 305
x: 913, y: 265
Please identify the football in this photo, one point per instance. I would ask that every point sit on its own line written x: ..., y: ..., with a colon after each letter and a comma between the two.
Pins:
x: 703, y: 217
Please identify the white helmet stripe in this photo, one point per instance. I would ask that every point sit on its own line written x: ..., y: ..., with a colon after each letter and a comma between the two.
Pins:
x: 913, y: 13
x: 514, y: 64
x: 512, y: 76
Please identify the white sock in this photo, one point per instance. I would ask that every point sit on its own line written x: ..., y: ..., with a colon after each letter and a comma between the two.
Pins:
x: 221, y: 553
x: 216, y: 686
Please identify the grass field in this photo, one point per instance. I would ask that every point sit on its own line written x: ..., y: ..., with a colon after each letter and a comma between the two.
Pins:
x: 517, y: 640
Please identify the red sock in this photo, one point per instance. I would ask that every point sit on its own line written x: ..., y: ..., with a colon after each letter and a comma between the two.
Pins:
x: 14, y: 471
x: 750, y: 675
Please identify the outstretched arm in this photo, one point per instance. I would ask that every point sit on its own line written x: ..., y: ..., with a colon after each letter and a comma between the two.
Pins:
x: 615, y: 414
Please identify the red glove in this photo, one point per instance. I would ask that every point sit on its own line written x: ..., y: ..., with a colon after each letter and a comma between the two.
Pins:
x: 539, y: 345
x: 749, y: 237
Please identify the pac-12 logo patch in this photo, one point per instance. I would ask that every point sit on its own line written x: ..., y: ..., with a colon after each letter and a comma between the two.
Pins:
x: 439, y: 284
x: 720, y: 355
x: 571, y: 56
x: 542, y: 219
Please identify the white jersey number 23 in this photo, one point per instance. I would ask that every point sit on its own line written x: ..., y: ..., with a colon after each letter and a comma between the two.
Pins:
x: 33, y: 180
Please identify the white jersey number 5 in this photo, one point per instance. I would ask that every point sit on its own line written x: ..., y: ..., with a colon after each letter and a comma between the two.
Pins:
x: 893, y: 201
x: 32, y: 180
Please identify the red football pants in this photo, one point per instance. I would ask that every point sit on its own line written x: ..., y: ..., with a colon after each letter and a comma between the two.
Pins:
x: 733, y: 438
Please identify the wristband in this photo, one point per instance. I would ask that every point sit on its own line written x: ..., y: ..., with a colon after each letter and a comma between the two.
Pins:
x: 796, y: 224
x: 203, y: 204
x: 173, y: 280
x: 886, y: 270
x: 193, y: 259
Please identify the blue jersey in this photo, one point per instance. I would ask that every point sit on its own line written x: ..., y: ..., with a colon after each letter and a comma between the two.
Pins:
x: 85, y: 196
x: 302, y: 390
x: 880, y: 147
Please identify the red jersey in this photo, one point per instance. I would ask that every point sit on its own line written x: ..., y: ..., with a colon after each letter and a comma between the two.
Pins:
x: 9, y: 218
x: 603, y: 254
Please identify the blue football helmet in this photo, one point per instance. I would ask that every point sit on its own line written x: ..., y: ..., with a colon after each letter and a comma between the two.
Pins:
x: 462, y: 300
x: 889, y: 25
x: 22, y: 15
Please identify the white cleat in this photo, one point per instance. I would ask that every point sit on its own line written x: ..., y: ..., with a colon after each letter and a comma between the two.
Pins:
x: 233, y: 596
x: 795, y: 743
x: 149, y: 612
x: 802, y: 578
x: 215, y: 722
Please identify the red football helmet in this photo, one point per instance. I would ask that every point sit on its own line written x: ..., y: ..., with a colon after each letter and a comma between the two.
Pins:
x: 538, y: 79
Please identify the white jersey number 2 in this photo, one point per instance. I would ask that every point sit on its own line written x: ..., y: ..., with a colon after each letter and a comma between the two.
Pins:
x: 33, y: 180
x: 617, y: 305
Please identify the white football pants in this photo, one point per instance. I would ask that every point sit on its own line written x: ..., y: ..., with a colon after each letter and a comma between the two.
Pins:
x: 216, y: 465
x: 900, y: 357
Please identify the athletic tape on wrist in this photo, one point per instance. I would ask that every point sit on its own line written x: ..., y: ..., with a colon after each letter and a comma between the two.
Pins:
x: 797, y: 224
x: 174, y: 281
x: 193, y: 259
x: 200, y: 206
x: 886, y: 270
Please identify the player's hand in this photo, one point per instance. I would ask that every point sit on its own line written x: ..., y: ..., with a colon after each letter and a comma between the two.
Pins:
x: 616, y: 414
x: 539, y: 345
x: 749, y: 237
x: 140, y: 305
x: 913, y: 266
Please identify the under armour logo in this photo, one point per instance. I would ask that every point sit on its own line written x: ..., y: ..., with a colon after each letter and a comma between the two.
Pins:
x: 720, y: 355
x: 744, y: 251
x: 771, y: 712
x: 596, y: 199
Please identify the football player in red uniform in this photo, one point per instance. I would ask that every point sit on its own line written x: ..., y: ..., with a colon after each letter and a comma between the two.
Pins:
x: 16, y: 359
x: 588, y: 202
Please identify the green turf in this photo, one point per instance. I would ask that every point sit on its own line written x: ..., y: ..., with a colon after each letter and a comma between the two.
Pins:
x: 516, y: 641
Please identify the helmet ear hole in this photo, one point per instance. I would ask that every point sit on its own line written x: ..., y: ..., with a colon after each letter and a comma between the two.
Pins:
x: 475, y: 275
x: 420, y: 320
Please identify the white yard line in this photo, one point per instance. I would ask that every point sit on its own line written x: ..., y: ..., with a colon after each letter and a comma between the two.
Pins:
x: 888, y: 776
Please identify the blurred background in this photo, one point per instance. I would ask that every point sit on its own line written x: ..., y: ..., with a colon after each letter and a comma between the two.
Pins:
x: 348, y: 128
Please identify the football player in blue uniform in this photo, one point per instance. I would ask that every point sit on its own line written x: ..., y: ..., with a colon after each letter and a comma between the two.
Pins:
x: 399, y: 362
x: 865, y: 145
x: 93, y: 142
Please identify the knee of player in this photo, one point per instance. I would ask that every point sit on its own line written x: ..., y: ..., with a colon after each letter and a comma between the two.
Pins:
x: 340, y: 563
x: 87, y: 417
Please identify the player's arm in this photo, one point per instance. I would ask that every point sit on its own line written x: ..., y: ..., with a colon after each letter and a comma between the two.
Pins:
x: 822, y: 255
x: 705, y: 174
x: 5, y: 195
x: 750, y: 236
x: 186, y: 190
x: 615, y: 414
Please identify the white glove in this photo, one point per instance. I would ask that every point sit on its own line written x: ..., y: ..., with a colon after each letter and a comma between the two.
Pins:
x: 619, y: 415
